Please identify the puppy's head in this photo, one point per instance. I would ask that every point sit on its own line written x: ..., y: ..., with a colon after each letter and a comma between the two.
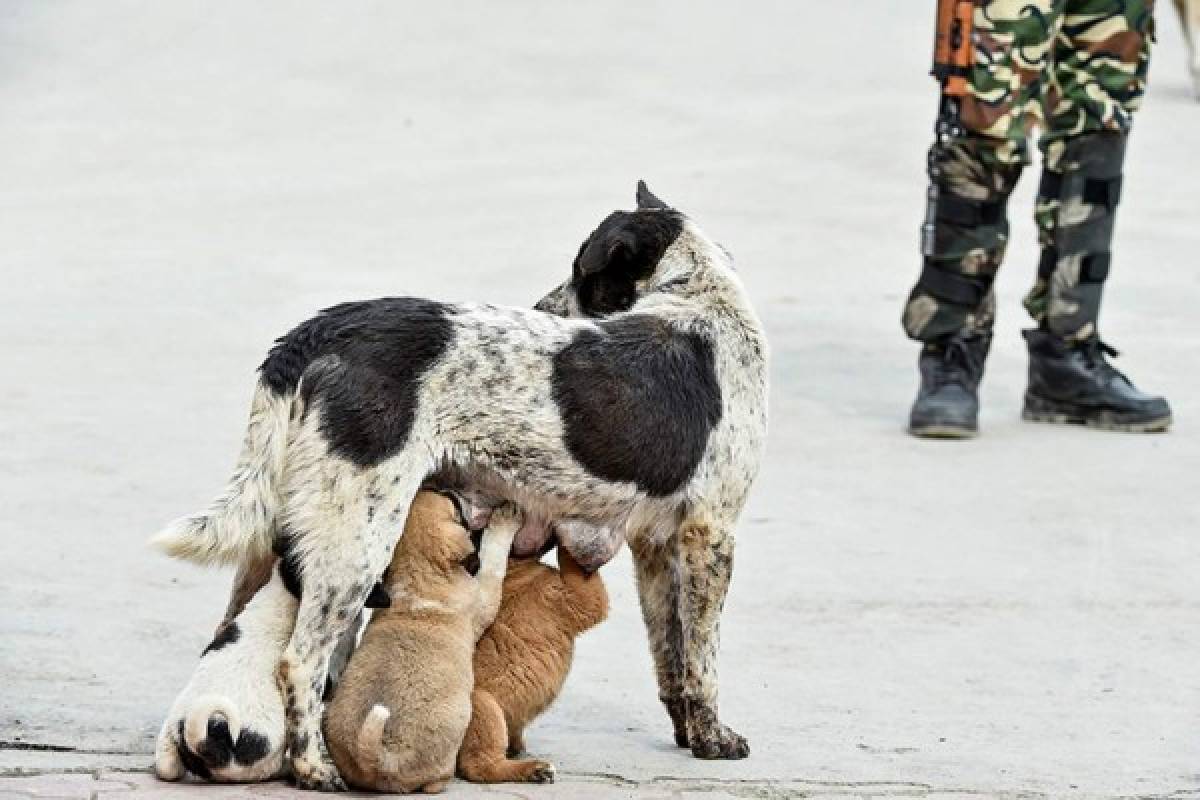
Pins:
x: 434, y: 540
x: 620, y: 261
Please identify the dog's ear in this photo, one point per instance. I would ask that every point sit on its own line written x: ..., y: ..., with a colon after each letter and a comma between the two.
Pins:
x: 624, y: 250
x: 598, y: 254
x: 646, y: 198
x: 379, y: 597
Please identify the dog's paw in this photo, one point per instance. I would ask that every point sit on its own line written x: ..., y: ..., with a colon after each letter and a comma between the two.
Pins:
x: 317, y: 777
x: 543, y: 772
x: 721, y: 743
x: 677, y: 711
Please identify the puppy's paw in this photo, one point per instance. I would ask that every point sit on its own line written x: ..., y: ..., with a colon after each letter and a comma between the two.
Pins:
x: 543, y: 772
x: 506, y: 520
x: 498, y: 537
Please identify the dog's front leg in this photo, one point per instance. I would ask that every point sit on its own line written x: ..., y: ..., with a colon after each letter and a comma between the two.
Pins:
x: 301, y: 677
x: 657, y: 570
x: 706, y: 564
x: 493, y: 564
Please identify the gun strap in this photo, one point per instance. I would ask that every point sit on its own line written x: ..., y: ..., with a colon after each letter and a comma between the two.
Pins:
x: 1047, y: 263
x: 952, y: 286
x: 970, y: 213
x: 1093, y: 268
x: 1096, y: 191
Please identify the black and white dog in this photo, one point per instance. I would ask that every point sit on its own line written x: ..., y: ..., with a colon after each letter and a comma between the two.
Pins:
x: 634, y: 397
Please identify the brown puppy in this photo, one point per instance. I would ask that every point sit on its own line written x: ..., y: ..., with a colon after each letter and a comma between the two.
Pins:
x: 398, y: 715
x: 522, y: 662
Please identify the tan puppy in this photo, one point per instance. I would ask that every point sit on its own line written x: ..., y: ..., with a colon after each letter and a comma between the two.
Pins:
x: 522, y: 662
x: 398, y: 715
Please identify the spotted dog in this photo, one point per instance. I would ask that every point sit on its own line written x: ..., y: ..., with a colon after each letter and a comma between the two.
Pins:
x: 632, y: 398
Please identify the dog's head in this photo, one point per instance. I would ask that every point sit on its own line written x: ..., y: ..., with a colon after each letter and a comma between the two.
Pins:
x: 619, y: 262
x: 434, y: 541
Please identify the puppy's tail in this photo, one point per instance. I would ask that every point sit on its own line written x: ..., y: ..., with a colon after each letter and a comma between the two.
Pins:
x: 211, y: 729
x: 370, y: 736
x: 239, y: 523
x: 371, y: 750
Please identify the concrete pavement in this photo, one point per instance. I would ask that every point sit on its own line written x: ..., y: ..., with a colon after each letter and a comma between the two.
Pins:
x: 180, y: 182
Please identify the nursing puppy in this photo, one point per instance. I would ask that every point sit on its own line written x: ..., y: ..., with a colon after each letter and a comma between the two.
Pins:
x: 399, y: 713
x: 645, y: 416
x: 522, y: 662
x: 227, y: 725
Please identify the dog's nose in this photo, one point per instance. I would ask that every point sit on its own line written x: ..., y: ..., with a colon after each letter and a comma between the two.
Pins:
x: 555, y: 302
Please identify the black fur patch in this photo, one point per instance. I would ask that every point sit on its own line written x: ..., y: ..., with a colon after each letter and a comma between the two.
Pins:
x: 393, y: 335
x: 228, y: 634
x: 638, y: 401
x: 625, y: 249
x: 217, y: 748
x: 251, y: 748
x: 290, y: 568
x: 373, y: 355
x: 379, y: 597
x: 191, y: 762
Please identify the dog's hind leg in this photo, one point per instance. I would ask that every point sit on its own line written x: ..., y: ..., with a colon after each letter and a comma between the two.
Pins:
x: 481, y: 759
x: 705, y: 565
x: 340, y: 526
x: 657, y: 571
x: 252, y: 574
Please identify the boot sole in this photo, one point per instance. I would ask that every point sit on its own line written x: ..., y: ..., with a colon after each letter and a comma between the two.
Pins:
x: 1039, y: 409
x: 942, y: 432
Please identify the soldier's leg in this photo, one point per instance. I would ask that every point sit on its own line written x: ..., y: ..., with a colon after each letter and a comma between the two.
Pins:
x: 972, y: 173
x: 1189, y: 17
x: 1099, y: 76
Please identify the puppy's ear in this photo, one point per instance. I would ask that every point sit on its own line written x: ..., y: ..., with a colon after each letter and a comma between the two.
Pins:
x: 379, y: 597
x: 646, y: 198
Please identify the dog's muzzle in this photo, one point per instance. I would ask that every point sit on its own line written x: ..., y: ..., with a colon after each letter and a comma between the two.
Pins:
x: 557, y: 302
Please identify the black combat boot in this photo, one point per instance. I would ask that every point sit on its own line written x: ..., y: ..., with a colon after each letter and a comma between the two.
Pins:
x: 947, y: 404
x: 1074, y: 383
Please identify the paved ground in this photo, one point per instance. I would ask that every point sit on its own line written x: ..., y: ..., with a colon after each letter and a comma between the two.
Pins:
x: 1015, y: 617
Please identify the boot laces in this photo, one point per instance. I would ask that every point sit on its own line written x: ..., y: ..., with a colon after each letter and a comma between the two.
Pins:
x: 959, y: 364
x: 1096, y: 353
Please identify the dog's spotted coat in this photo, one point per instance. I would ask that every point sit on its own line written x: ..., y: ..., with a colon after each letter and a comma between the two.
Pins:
x: 633, y: 397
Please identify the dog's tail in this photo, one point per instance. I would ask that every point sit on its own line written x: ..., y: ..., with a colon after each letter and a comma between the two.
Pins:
x: 239, y: 523
x: 370, y: 736
x: 211, y: 729
x: 371, y: 750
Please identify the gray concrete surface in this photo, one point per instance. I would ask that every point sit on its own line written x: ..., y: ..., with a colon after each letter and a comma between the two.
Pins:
x: 182, y: 181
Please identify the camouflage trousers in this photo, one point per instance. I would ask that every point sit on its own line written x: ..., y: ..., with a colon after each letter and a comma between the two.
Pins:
x: 1076, y: 71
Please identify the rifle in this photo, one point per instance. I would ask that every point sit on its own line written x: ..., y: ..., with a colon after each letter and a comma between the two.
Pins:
x: 953, y: 56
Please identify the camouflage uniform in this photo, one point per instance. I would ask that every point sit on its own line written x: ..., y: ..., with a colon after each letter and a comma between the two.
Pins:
x: 1076, y: 69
